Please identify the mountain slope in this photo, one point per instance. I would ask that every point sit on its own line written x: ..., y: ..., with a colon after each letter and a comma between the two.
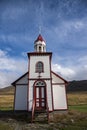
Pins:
x: 7, y: 90
x: 77, y: 86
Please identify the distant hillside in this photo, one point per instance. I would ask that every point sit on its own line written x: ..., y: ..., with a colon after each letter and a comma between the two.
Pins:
x: 7, y: 90
x: 73, y: 86
x: 77, y: 86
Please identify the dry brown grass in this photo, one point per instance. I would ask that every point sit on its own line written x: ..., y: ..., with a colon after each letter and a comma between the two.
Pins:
x: 77, y: 98
x: 6, y: 101
x: 6, y: 98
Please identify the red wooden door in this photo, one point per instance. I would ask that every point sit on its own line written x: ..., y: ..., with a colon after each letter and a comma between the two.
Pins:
x: 40, y: 97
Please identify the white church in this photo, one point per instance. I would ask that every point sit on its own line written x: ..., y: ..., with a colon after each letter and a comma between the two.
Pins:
x: 40, y: 88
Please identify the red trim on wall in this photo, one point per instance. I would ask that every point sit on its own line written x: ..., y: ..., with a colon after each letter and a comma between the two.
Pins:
x: 28, y: 86
x: 59, y: 83
x: 66, y: 96
x: 60, y: 109
x: 59, y: 77
x: 51, y: 82
x: 46, y: 94
x: 22, y: 84
x: 27, y: 97
x: 14, y: 99
x: 40, y: 78
x: 39, y: 54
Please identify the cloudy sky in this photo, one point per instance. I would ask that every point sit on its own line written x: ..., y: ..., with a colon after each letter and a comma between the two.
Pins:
x: 63, y: 26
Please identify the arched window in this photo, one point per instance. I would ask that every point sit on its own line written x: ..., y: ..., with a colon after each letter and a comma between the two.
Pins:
x: 40, y: 83
x: 39, y: 67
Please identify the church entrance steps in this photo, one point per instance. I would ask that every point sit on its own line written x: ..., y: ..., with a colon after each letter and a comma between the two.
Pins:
x: 40, y: 116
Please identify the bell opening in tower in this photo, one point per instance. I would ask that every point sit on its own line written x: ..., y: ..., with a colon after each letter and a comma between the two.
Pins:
x: 39, y: 48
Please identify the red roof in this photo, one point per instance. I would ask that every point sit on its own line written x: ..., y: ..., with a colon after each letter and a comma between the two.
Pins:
x: 39, y: 38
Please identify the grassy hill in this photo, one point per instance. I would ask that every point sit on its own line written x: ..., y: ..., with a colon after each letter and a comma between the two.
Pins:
x: 7, y: 90
x: 7, y: 98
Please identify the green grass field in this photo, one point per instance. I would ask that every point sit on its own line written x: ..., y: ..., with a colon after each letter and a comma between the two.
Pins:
x: 80, y: 108
x: 77, y: 101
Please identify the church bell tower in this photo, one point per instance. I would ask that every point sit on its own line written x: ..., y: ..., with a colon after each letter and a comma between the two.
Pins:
x: 39, y: 44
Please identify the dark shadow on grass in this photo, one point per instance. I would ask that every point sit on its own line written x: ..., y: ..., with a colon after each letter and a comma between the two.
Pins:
x: 23, y: 116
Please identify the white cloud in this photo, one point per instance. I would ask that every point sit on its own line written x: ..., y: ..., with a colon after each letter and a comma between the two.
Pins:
x: 66, y: 72
x: 2, y: 53
x: 72, y: 69
x: 79, y: 25
x: 6, y: 78
x: 83, y: 59
x: 70, y: 32
x: 10, y: 68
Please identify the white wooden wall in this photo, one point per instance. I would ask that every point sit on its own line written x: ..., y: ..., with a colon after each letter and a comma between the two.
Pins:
x: 34, y: 60
x: 59, y: 93
x: 56, y: 79
x: 21, y: 97
x: 59, y: 97
x: 49, y: 95
x: 30, y: 98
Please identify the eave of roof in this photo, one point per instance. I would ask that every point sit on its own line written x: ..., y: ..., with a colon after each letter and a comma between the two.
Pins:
x: 60, y: 77
x: 19, y: 79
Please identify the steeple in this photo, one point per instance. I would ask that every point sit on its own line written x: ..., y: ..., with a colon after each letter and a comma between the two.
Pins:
x: 39, y: 44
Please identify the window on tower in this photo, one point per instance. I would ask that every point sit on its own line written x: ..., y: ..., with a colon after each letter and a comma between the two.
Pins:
x: 39, y: 48
x: 39, y: 67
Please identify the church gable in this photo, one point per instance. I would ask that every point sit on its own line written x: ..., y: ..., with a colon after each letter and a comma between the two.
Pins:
x: 21, y: 80
x: 57, y: 79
